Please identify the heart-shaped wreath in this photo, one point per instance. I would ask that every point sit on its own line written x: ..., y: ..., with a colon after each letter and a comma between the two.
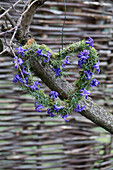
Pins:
x: 88, y: 63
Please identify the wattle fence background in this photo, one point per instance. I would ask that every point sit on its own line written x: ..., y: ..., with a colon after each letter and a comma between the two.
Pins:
x: 34, y: 141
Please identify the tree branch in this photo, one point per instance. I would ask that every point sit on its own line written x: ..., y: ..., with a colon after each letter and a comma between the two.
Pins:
x: 6, y: 11
x: 24, y: 20
x: 92, y: 111
x: 12, y: 22
x: 49, y: 78
x: 97, y: 114
x: 27, y: 16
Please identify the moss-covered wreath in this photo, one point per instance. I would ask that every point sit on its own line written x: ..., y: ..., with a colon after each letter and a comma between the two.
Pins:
x: 88, y: 63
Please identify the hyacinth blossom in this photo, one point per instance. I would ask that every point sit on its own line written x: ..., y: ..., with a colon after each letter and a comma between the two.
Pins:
x: 90, y: 42
x: 96, y: 65
x: 78, y: 108
x: 50, y: 113
x: 17, y: 61
x: 57, y: 71
x: 47, y: 56
x: 57, y: 108
x: 53, y: 94
x: 38, y: 107
x: 88, y: 75
x: 64, y: 117
x: 39, y: 52
x: 34, y: 86
x: 84, y: 92
x: 94, y: 83
x: 83, y: 54
x: 81, y: 62
x: 20, y: 50
x: 24, y: 72
x: 18, y: 77
x: 66, y: 61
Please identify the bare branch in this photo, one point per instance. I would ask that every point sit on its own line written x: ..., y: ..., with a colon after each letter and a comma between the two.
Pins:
x: 27, y: 16
x: 24, y: 20
x: 10, y: 9
x: 97, y: 114
x: 12, y: 22
x: 18, y: 12
x: 5, y: 50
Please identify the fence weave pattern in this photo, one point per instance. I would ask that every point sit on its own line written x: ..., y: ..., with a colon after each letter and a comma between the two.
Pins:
x: 34, y: 141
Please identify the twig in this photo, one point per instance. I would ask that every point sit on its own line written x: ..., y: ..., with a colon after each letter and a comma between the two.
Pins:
x: 22, y: 22
x: 10, y: 9
x: 4, y: 51
x: 12, y: 22
x: 2, y: 33
x: 18, y: 12
x: 18, y: 23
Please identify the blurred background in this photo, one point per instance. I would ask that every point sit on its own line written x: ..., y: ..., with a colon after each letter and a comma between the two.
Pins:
x: 35, y: 141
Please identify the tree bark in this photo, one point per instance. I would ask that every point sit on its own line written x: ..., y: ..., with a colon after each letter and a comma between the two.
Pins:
x: 49, y: 78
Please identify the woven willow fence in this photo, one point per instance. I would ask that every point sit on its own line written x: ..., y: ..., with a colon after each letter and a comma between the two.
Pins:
x: 31, y: 140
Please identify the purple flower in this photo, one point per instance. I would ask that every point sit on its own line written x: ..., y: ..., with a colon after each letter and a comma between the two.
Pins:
x: 94, y: 83
x: 96, y: 65
x: 38, y: 107
x: 57, y: 108
x: 34, y: 86
x: 24, y: 72
x: 47, y: 56
x: 18, y: 61
x: 64, y: 117
x: 84, y: 54
x: 78, y: 108
x: 88, y: 74
x: 54, y: 94
x: 66, y: 61
x: 20, y: 50
x: 57, y: 71
x: 90, y: 42
x: 39, y: 51
x: 81, y: 62
x: 16, y: 78
x: 50, y: 113
x: 84, y: 92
